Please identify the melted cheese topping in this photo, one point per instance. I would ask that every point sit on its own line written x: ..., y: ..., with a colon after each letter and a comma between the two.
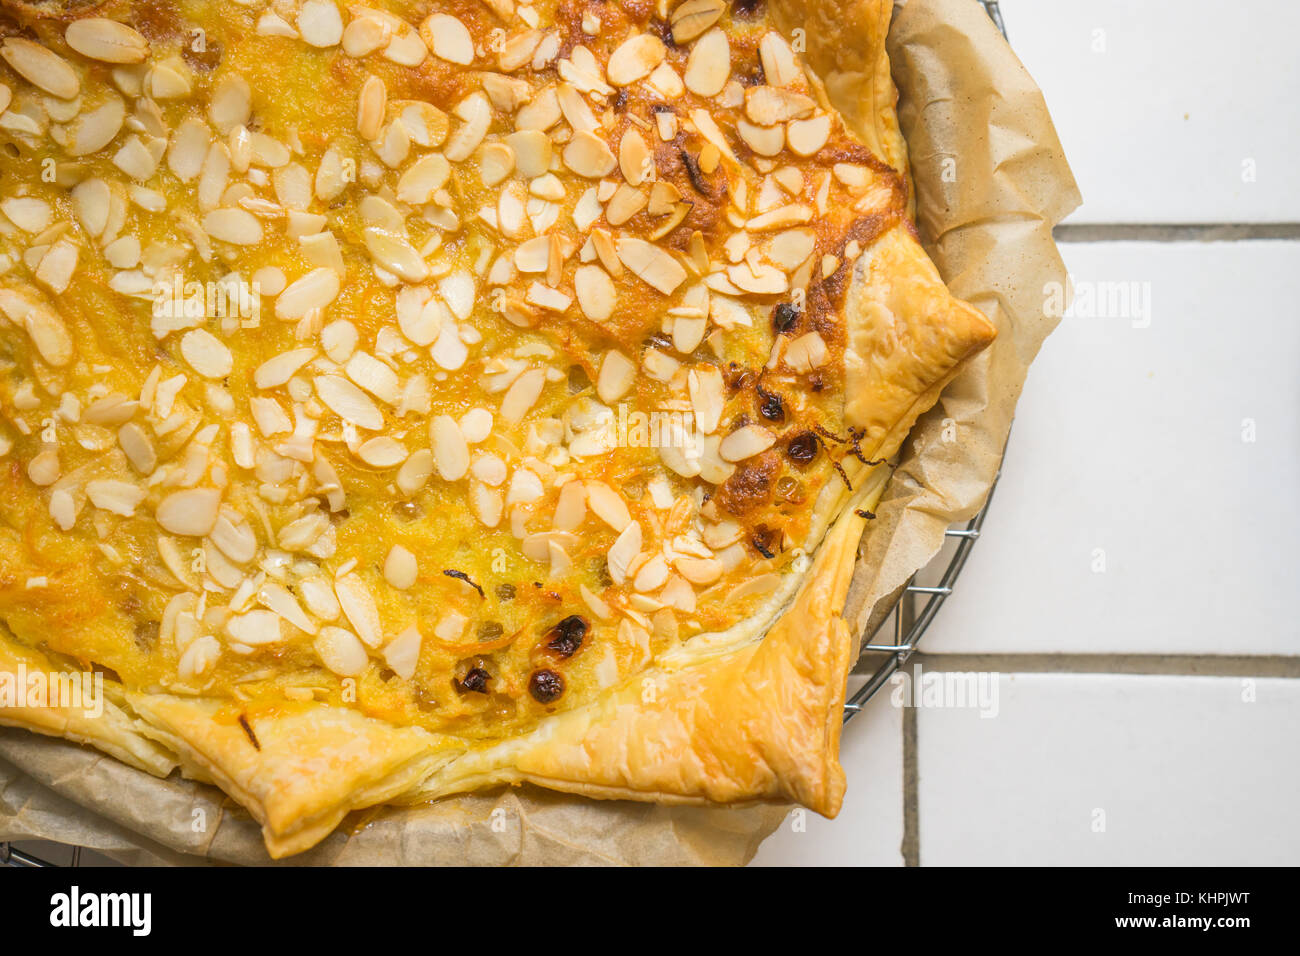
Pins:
x: 453, y: 370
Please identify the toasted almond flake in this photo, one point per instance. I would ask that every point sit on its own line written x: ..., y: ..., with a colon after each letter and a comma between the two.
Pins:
x: 44, y: 467
x: 779, y: 65
x: 370, y: 107
x: 532, y: 152
x: 395, y: 254
x: 518, y: 49
x: 206, y: 354
x: 106, y: 40
x: 746, y: 442
x: 707, y: 398
x: 635, y: 160
x: 702, y: 571
x: 588, y: 155
x: 596, y: 294
x: 533, y: 255
x: 364, y: 35
x: 402, y: 653
x: 234, y: 537
x: 626, y: 547
x: 486, y: 504
x: 96, y: 128
x: 315, y: 290
x: 49, y: 334
x: 522, y: 395
x: 422, y: 324
x: 634, y: 58
x: 608, y: 505
x: 423, y: 179
x: 570, y: 507
x: 626, y: 202
x: 415, y: 472
x: 476, y: 112
x: 450, y: 450
x: 191, y: 512
x: 33, y: 215
x: 359, y: 608
x: 806, y: 137
x: 448, y: 39
x: 40, y: 67
x: 236, y: 226
x: 806, y: 353
x: 57, y: 266
x: 348, y: 402
x: 768, y: 105
x: 792, y: 214
x: 545, y: 297
x: 709, y: 65
x: 138, y: 448
x: 340, y: 651
x: 119, y: 497
x: 651, y: 264
x: 135, y: 159
x: 692, y: 18
x: 763, y: 140
x: 302, y: 533
x: 496, y: 162
x: 277, y: 598
x: 617, y: 373
x: 760, y: 280
x: 320, y: 23
x: 382, y: 452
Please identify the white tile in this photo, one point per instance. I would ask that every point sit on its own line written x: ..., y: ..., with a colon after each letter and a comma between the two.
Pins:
x: 869, y: 828
x: 1177, y: 770
x: 1159, y: 124
x: 1128, y: 447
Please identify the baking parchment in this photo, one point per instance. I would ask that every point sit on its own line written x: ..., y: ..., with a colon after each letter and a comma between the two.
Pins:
x: 991, y: 180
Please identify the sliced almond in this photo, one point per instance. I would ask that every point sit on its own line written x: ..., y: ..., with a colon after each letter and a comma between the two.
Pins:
x: 315, y: 290
x: 693, y: 17
x: 746, y: 442
x: 808, y: 136
x: 191, y: 512
x: 448, y: 39
x: 348, y: 402
x: 588, y: 155
x: 206, y: 354
x: 423, y: 179
x: 634, y: 58
x: 709, y: 66
x: 651, y: 264
x: 371, y: 106
x: 40, y: 67
x: 769, y: 105
x: 617, y: 373
x: 779, y: 65
x: 358, y: 606
x: 320, y: 23
x: 106, y: 40
x: 596, y: 294
x: 450, y: 450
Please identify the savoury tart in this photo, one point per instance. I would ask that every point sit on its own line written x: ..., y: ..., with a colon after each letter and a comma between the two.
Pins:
x: 401, y: 401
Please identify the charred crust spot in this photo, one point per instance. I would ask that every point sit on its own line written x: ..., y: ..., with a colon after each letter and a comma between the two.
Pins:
x: 695, y: 174
x: 566, y: 637
x: 864, y: 513
x: 750, y: 485
x: 762, y: 540
x: 746, y: 8
x: 248, y: 730
x: 545, y: 686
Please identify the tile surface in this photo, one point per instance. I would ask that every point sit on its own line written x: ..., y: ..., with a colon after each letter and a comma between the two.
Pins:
x: 1134, y: 514
x: 1166, y: 110
x: 1173, y: 770
x: 869, y: 829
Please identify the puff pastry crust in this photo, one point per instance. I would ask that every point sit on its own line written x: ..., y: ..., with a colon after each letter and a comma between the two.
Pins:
x: 378, y: 522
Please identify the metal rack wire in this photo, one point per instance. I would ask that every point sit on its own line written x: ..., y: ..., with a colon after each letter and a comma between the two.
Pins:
x: 912, y: 613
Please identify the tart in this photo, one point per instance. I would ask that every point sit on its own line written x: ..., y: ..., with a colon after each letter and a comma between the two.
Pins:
x: 401, y: 405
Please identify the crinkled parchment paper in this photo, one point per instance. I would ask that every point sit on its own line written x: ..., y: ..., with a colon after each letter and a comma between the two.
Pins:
x: 991, y: 181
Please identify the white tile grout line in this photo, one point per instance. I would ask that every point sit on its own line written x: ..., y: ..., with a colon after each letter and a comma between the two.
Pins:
x: 1155, y: 232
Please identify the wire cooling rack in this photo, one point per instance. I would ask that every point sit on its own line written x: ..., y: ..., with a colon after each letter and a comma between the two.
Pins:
x: 912, y: 612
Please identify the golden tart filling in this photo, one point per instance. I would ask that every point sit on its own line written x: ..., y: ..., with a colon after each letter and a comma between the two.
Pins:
x: 453, y: 372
